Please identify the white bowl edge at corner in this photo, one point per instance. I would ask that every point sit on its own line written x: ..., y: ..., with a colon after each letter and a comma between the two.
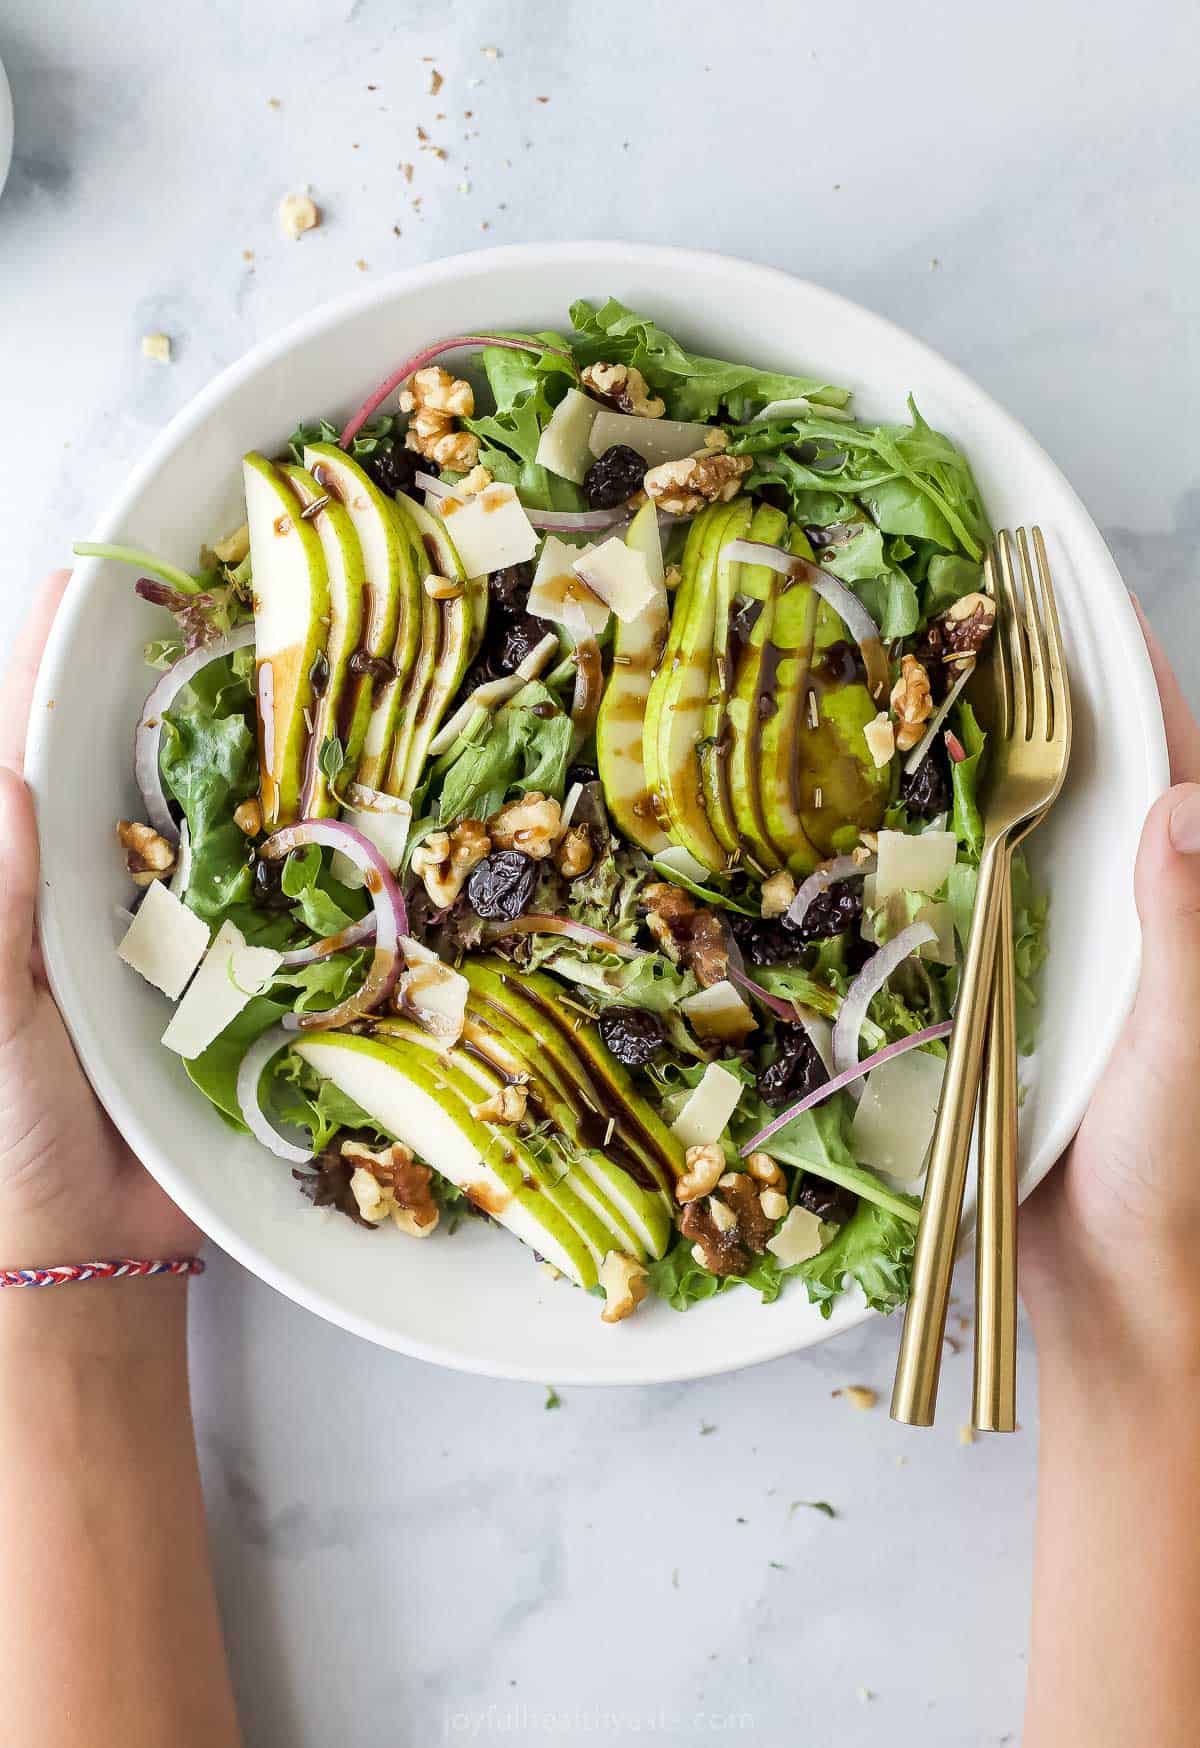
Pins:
x: 476, y: 1302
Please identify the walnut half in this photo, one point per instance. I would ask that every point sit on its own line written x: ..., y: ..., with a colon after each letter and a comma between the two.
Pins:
x: 912, y: 703
x: 531, y: 824
x: 683, y: 487
x: 624, y: 387
x: 443, y: 860
x: 392, y: 1184
x: 434, y: 399
x: 725, y: 1245
x: 148, y: 856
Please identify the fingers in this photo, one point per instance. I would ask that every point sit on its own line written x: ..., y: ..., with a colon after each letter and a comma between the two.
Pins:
x: 1167, y: 884
x: 18, y: 896
x: 1183, y: 731
x: 22, y: 671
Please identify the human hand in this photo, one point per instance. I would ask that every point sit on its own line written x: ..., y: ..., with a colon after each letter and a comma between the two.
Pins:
x: 70, y: 1189
x: 1109, y: 1242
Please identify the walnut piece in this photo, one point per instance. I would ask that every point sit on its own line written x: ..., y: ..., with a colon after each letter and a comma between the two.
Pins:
x: 721, y: 1247
x: 443, y: 860
x: 148, y: 856
x: 859, y: 1396
x: 912, y: 703
x: 392, y: 1184
x: 625, y: 1285
x: 506, y: 1105
x: 475, y: 482
x: 966, y: 626
x: 683, y: 487
x: 434, y: 399
x: 686, y: 931
x: 765, y: 1170
x: 773, y: 1203
x: 530, y: 824
x: 574, y: 855
x: 248, y: 817
x: 298, y: 213
x: 443, y: 588
x: 880, y: 737
x: 777, y: 893
x: 624, y: 387
x: 705, y: 1167
x: 157, y: 347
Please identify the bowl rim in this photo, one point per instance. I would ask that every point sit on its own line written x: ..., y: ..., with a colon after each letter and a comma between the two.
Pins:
x: 304, y: 330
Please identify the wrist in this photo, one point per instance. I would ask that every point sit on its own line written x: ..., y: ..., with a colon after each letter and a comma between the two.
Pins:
x: 135, y: 1319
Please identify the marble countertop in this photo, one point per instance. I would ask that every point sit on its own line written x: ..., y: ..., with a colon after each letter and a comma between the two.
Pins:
x: 408, y: 1556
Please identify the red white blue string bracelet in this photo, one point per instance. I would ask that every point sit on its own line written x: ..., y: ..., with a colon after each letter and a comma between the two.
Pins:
x: 122, y: 1268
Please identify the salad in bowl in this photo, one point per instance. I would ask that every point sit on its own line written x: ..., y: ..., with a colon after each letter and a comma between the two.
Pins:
x: 560, y: 809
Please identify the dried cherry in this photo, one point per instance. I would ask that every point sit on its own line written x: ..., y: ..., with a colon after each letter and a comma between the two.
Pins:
x: 797, y: 1069
x: 500, y: 885
x: 614, y: 478
x: 632, y: 1035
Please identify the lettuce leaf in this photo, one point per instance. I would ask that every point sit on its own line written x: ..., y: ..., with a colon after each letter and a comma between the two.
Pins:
x: 965, y: 775
x: 874, y: 1248
x: 526, y: 387
x: 209, y: 764
x: 525, y: 745
x: 693, y: 386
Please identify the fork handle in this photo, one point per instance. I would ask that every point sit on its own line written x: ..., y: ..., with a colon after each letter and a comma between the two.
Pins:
x: 995, y: 1387
x: 918, y: 1368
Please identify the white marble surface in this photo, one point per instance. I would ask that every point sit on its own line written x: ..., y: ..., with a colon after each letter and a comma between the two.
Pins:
x: 410, y: 1557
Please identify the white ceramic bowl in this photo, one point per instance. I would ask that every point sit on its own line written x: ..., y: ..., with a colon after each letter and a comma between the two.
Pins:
x: 477, y: 1301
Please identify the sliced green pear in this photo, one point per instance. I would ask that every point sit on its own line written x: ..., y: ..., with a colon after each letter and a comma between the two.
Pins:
x: 839, y: 791
x: 746, y: 705
x: 444, y: 558
x: 291, y: 612
x: 782, y: 717
x: 637, y: 651
x: 407, y: 1093
x: 343, y: 697
x: 676, y: 703
x: 447, y: 639
x: 393, y: 597
x: 716, y: 727
x: 571, y: 1048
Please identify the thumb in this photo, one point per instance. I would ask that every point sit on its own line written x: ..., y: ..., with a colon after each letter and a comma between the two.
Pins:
x: 18, y: 896
x: 1167, y: 885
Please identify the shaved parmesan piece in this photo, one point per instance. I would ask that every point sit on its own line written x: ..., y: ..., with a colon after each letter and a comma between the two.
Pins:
x: 492, y: 693
x: 563, y: 447
x: 435, y: 995
x: 913, y: 864
x: 654, y: 439
x: 679, y: 861
x: 893, y: 1125
x: 797, y: 1239
x: 165, y: 941
x: 937, y: 913
x: 620, y: 576
x: 708, y: 1107
x: 231, y: 975
x: 489, y: 530
x: 718, y: 1012
x: 384, y: 820
x: 559, y: 594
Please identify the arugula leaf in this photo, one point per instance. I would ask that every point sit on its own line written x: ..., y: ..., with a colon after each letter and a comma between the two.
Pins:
x: 818, y: 1141
x: 209, y: 764
x: 324, y: 903
x: 304, y: 1100
x: 693, y: 386
x: 650, y: 981
x: 517, y: 750
x: 892, y: 602
x: 683, y: 1282
x: 874, y: 1248
x: 215, y: 1071
x: 526, y: 387
x: 370, y: 437
x: 964, y: 776
x: 948, y: 578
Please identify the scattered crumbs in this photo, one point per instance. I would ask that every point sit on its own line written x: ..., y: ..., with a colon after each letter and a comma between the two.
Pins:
x: 464, y: 188
x: 707, y: 1426
x: 372, y: 87
x: 491, y: 54
x: 354, y: 145
x: 934, y: 264
x: 508, y: 163
x: 954, y: 1346
x: 777, y: 1565
x: 435, y: 82
x: 624, y: 145
x: 743, y: 1520
x: 541, y: 100
x: 247, y: 254
x: 273, y: 103
x: 675, y: 1578
x: 417, y: 199
x: 474, y: 84
x: 484, y: 225
x: 422, y: 135
x: 821, y: 1505
x: 503, y: 205
x: 406, y: 170
x: 553, y: 1399
x: 158, y: 347
x: 966, y: 1435
x: 440, y: 116
x: 51, y: 702
x: 837, y: 188
x: 298, y: 213
x: 361, y: 265
x: 902, y: 1462
x: 396, y: 230
x: 865, y: 1696
x: 964, y: 1323
x: 859, y: 1396
x: 467, y: 114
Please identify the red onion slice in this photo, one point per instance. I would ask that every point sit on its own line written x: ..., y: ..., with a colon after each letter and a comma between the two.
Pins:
x: 582, y: 933
x: 255, y: 1118
x: 839, y: 595
x: 148, y: 735
x: 919, y: 753
x: 840, y: 1081
x: 576, y: 521
x: 353, y: 935
x: 778, y: 1004
x: 391, y: 917
x: 868, y: 983
x: 840, y: 868
x: 456, y: 343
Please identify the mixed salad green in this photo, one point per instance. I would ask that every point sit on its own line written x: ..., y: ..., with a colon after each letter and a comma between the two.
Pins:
x: 562, y: 808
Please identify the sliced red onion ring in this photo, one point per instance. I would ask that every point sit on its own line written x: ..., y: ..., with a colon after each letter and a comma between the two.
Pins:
x: 255, y: 1118
x: 536, y: 924
x: 148, y: 735
x: 576, y: 521
x: 840, y: 1081
x: 778, y: 1004
x: 391, y: 917
x: 353, y: 935
x: 919, y: 753
x: 456, y: 343
x: 819, y: 1032
x: 840, y: 868
x: 840, y: 597
x: 183, y: 862
x: 868, y: 983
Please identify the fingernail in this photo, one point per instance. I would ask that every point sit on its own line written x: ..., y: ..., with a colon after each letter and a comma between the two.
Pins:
x: 1184, y: 824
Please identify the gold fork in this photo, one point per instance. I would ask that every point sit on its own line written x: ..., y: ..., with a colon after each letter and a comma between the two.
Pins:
x: 1029, y: 748
x: 994, y: 1399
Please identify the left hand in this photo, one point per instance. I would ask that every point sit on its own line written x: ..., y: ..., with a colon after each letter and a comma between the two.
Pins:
x: 70, y: 1189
